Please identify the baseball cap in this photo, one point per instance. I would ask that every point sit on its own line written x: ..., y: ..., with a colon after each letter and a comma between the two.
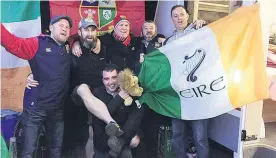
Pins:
x: 59, y: 17
x: 84, y: 23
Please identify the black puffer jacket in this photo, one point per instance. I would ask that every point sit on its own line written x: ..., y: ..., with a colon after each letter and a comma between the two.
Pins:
x: 119, y: 54
x: 151, y: 44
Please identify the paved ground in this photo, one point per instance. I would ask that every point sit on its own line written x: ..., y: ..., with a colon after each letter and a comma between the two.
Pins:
x: 266, y: 148
x: 270, y: 133
x: 216, y: 151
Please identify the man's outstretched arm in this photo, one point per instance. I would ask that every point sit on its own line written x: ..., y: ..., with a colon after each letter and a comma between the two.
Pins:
x: 24, y: 48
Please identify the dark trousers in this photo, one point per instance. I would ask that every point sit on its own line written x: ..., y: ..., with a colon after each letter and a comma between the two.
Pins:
x: 98, y: 154
x: 180, y: 137
x: 32, y: 120
x: 75, y: 126
x: 138, y: 152
x: 150, y: 126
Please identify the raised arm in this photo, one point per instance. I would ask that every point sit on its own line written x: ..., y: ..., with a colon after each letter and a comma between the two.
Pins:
x: 24, y: 48
x: 271, y: 57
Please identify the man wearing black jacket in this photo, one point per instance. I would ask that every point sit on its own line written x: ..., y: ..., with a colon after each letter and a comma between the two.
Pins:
x: 152, y: 121
x: 128, y: 117
x: 149, y: 40
x: 122, y: 47
x: 84, y: 70
x: 86, y: 75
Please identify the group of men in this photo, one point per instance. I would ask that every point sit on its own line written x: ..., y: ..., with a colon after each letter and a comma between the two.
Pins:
x: 87, y: 73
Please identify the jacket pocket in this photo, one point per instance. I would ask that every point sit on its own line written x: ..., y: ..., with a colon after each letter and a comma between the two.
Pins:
x: 31, y: 96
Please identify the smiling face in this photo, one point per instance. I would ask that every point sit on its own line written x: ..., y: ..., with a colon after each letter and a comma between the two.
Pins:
x: 60, y: 31
x: 110, y: 80
x: 88, y: 35
x: 180, y: 18
x: 122, y: 29
x: 149, y: 31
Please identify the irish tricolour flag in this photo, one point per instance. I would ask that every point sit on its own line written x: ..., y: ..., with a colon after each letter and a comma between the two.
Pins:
x: 21, y: 18
x: 210, y: 71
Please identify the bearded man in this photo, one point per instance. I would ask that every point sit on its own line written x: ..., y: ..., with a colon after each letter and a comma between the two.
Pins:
x: 85, y: 76
x: 122, y: 47
x: 150, y: 38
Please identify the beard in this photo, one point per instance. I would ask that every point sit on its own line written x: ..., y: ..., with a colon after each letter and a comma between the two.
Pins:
x: 149, y: 36
x: 88, y: 43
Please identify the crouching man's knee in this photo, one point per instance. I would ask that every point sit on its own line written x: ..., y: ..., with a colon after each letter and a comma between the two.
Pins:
x: 79, y: 92
x: 83, y: 89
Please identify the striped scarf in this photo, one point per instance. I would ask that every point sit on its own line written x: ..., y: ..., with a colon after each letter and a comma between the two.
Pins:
x: 125, y: 41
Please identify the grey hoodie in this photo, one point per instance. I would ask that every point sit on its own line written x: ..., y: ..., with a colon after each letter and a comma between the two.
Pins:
x: 178, y: 34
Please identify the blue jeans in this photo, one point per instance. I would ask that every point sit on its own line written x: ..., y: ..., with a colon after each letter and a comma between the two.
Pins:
x: 180, y: 137
x: 32, y: 120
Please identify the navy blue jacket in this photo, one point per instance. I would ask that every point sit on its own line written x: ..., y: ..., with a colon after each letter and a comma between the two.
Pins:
x: 51, y: 68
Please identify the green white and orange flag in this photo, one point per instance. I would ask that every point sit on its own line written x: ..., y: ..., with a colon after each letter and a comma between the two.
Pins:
x: 210, y: 71
x: 21, y: 18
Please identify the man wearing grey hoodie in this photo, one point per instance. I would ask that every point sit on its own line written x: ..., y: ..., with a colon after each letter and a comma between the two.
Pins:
x: 179, y: 127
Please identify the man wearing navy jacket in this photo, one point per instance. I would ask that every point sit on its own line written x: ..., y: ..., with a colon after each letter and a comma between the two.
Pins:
x: 49, y: 60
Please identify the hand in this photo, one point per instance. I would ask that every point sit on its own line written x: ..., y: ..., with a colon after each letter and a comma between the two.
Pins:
x: 199, y: 23
x: 76, y: 49
x: 97, y: 49
x: 161, y: 40
x: 141, y: 58
x: 271, y: 57
x: 31, y: 82
x: 134, y: 141
x: 123, y: 94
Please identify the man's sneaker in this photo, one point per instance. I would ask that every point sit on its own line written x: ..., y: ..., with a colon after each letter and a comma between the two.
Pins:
x: 115, y: 144
x: 191, y: 151
x: 126, y: 153
x: 190, y: 155
x: 113, y: 129
x: 76, y: 98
